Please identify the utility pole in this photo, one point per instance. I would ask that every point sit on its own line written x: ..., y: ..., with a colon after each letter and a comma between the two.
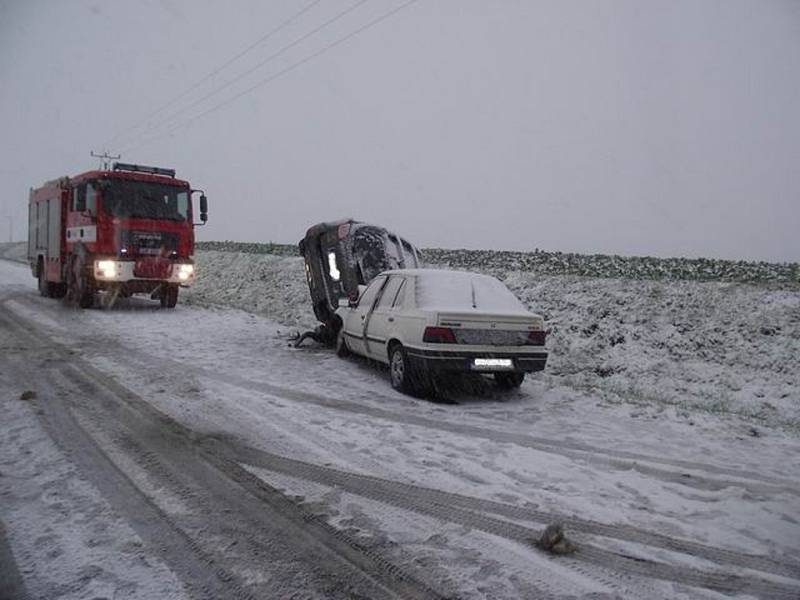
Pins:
x: 106, y: 158
x: 10, y: 229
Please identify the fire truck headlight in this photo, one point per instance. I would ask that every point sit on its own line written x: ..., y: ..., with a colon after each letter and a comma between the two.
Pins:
x: 185, y: 272
x: 106, y: 268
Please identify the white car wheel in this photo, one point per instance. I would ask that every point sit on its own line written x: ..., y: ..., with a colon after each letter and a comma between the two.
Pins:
x: 398, y: 370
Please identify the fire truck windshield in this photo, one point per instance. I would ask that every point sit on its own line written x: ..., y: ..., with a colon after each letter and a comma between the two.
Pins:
x: 145, y: 200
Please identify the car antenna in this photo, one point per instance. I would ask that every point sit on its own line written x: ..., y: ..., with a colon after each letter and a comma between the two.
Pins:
x: 474, y: 302
x: 106, y: 158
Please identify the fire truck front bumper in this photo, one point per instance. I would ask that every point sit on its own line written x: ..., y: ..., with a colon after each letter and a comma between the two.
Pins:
x: 123, y: 271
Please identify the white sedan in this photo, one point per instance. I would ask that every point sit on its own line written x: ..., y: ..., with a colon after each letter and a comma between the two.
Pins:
x: 424, y: 321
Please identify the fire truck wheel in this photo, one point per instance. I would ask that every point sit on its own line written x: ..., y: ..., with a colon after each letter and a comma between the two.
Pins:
x: 86, y: 298
x: 78, y: 288
x: 44, y: 285
x: 169, y: 296
x: 58, y: 290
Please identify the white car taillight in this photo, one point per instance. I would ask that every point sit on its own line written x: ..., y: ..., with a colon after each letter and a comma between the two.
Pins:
x: 536, y: 338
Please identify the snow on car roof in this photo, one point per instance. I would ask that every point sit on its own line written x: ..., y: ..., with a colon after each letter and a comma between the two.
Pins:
x: 460, y: 291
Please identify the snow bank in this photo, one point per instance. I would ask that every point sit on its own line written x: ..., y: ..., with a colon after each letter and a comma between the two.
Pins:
x: 265, y: 284
x: 503, y: 262
x: 613, y: 266
x: 721, y: 347
x: 727, y: 348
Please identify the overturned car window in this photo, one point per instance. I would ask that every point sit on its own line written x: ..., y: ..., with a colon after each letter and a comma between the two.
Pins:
x: 371, y: 252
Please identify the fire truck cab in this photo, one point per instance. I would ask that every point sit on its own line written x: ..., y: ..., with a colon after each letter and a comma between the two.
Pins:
x: 127, y: 230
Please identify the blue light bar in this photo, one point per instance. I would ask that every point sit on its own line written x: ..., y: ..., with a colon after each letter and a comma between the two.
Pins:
x: 144, y: 169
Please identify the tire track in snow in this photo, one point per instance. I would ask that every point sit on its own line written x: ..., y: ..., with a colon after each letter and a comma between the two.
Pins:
x: 545, y: 574
x: 170, y: 449
x: 619, y: 460
x: 196, y: 569
x: 693, y: 474
x: 11, y: 584
x: 431, y: 503
x: 367, y: 485
x: 702, y: 477
x: 209, y: 446
x: 369, y: 562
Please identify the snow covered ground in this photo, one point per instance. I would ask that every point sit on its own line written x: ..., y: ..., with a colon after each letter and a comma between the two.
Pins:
x: 665, y: 428
x: 684, y: 346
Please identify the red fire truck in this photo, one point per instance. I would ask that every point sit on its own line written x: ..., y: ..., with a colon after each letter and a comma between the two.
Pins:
x: 127, y: 230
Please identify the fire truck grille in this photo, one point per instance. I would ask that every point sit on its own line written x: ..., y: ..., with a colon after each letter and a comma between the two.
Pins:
x: 152, y: 267
x: 157, y: 243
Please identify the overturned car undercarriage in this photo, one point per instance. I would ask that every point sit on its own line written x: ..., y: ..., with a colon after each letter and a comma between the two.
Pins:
x: 339, y: 257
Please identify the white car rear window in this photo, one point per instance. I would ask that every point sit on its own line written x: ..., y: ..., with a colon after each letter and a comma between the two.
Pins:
x: 460, y: 291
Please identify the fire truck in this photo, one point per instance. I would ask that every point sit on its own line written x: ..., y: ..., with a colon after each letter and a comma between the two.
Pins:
x: 125, y: 230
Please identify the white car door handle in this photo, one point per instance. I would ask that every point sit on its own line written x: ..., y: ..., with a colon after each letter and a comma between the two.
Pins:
x: 391, y: 319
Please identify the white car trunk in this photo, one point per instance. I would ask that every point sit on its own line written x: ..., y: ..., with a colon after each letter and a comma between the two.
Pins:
x: 466, y: 320
x: 489, y: 329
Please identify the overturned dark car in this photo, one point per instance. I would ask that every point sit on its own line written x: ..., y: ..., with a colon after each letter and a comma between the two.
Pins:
x: 339, y: 257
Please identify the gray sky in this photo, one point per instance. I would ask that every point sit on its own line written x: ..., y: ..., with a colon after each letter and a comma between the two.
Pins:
x: 668, y: 128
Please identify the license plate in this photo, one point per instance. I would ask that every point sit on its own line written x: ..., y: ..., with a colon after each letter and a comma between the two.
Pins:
x: 152, y: 268
x: 492, y: 364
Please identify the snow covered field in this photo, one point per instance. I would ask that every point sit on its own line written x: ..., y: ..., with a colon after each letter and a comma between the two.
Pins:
x: 590, y: 265
x: 664, y: 434
x: 685, y: 346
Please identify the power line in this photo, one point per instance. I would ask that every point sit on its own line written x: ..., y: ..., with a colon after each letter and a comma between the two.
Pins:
x: 267, y: 60
x: 209, y: 75
x: 280, y: 73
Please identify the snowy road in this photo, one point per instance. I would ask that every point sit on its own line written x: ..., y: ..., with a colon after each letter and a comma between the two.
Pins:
x: 194, y: 454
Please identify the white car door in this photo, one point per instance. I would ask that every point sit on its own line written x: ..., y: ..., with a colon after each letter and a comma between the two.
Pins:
x: 357, y: 317
x: 381, y: 322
